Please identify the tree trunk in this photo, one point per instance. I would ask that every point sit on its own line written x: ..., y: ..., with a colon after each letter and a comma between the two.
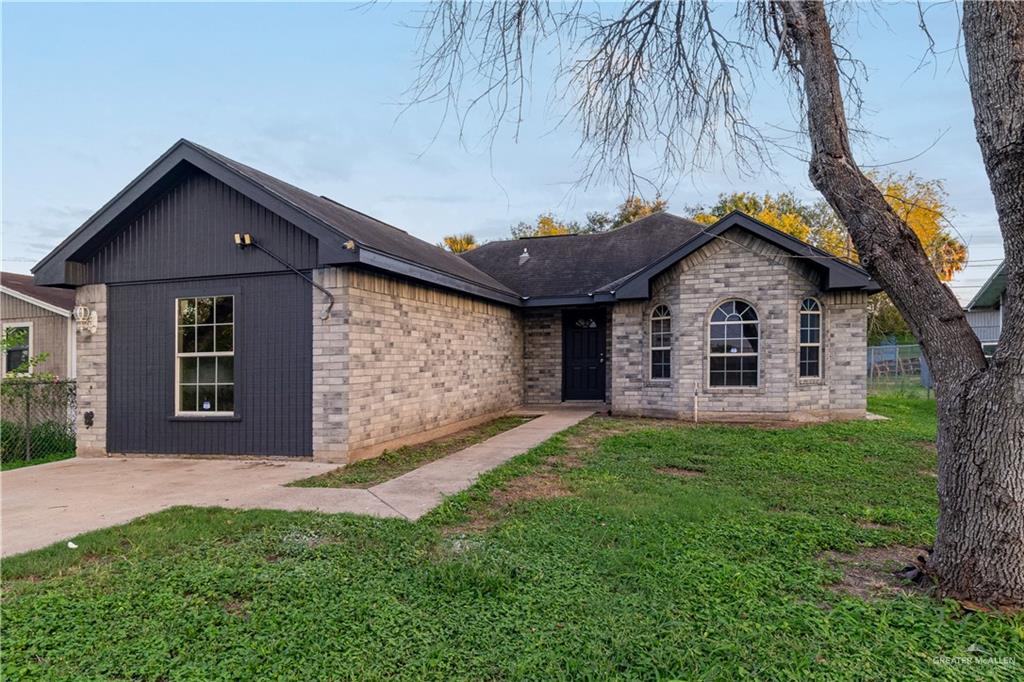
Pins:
x: 979, y: 548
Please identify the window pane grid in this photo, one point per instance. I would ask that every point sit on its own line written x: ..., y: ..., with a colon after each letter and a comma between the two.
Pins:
x: 205, y: 352
x: 810, y: 338
x: 661, y: 343
x: 733, y: 345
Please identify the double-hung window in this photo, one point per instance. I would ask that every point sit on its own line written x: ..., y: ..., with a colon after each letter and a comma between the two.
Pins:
x: 205, y: 372
x: 733, y: 349
x: 810, y: 338
x: 661, y: 343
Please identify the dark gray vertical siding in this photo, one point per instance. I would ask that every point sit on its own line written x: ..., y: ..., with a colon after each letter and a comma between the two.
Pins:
x: 273, y: 369
x: 188, y: 232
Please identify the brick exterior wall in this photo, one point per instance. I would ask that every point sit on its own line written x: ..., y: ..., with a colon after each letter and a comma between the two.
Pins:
x: 542, y: 356
x: 398, y: 359
x: 91, y: 441
x: 742, y: 267
x: 330, y: 368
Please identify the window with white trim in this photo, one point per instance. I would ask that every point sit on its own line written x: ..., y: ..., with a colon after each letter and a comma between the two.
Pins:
x: 810, y: 338
x: 19, y: 350
x: 661, y: 343
x: 205, y: 371
x: 733, y: 345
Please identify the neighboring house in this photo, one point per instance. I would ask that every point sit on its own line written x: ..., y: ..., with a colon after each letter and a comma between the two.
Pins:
x: 44, y: 315
x: 985, y: 311
x: 206, y: 345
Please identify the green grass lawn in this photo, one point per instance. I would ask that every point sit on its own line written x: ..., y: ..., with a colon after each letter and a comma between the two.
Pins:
x: 592, y: 556
x: 19, y: 463
x: 396, y: 462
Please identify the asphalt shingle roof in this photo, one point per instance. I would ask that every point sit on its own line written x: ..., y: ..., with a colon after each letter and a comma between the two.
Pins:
x: 583, y: 264
x: 365, y: 230
x: 23, y: 284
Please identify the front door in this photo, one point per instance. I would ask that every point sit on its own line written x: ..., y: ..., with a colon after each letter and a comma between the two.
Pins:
x: 583, y: 372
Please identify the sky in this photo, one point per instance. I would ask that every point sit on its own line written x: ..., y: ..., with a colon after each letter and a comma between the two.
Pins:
x: 314, y: 94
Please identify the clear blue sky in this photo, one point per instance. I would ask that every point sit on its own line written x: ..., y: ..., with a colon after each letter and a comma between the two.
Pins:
x: 309, y: 93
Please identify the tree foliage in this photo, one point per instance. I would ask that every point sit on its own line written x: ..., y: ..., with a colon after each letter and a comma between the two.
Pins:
x: 922, y: 204
x: 459, y: 243
x: 546, y: 225
x: 633, y: 208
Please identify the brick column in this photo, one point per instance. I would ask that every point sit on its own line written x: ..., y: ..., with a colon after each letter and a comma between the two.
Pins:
x: 330, y: 364
x: 91, y: 348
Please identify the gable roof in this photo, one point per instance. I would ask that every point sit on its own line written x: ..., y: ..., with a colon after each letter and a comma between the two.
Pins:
x: 367, y: 231
x: 620, y: 264
x: 376, y: 243
x: 575, y: 265
x: 607, y: 266
x: 60, y: 301
x: 991, y: 291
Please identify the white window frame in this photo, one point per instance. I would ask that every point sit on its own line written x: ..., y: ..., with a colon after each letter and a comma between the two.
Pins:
x: 31, y: 334
x: 820, y: 312
x: 650, y: 330
x: 757, y: 354
x: 178, y: 355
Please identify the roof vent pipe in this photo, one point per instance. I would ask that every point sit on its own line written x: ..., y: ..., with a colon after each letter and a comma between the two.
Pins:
x: 524, y: 256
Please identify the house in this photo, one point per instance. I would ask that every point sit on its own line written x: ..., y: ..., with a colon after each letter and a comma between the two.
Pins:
x: 985, y: 311
x: 43, y: 316
x: 237, y: 314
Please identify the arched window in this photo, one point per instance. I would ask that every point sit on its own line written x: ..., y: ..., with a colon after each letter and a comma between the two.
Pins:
x: 810, y: 338
x: 733, y: 349
x: 661, y: 343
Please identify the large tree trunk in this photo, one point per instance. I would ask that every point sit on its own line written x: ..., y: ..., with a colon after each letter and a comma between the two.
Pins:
x: 979, y: 548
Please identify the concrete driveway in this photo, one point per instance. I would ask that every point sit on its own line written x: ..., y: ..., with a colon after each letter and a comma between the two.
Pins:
x: 47, y: 503
x: 50, y: 502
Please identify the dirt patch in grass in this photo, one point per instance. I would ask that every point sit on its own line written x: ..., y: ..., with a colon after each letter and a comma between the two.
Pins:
x: 872, y: 572
x: 679, y: 472
x: 564, y: 461
x: 237, y: 608
x: 930, y: 473
x: 541, y: 485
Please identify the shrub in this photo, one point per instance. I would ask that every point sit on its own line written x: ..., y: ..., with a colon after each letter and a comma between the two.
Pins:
x: 47, y: 439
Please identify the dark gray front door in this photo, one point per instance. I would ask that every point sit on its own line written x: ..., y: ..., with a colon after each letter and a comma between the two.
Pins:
x: 583, y: 337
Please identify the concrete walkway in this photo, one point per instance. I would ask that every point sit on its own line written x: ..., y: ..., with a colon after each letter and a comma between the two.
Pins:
x: 48, y: 503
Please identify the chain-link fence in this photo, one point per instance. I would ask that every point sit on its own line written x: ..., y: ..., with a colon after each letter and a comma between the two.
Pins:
x: 895, y: 368
x: 37, y: 418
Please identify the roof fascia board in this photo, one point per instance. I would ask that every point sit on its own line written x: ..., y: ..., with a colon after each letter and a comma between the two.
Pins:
x: 555, y: 301
x: 982, y: 293
x: 399, y: 266
x: 330, y: 241
x: 838, y: 275
x: 118, y: 203
x: 638, y: 286
x: 35, y: 301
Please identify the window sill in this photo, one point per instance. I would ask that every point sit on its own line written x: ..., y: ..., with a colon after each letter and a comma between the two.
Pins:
x: 205, y: 418
x: 735, y: 390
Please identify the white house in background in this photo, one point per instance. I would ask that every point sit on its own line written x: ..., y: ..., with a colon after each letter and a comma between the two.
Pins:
x: 985, y: 311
